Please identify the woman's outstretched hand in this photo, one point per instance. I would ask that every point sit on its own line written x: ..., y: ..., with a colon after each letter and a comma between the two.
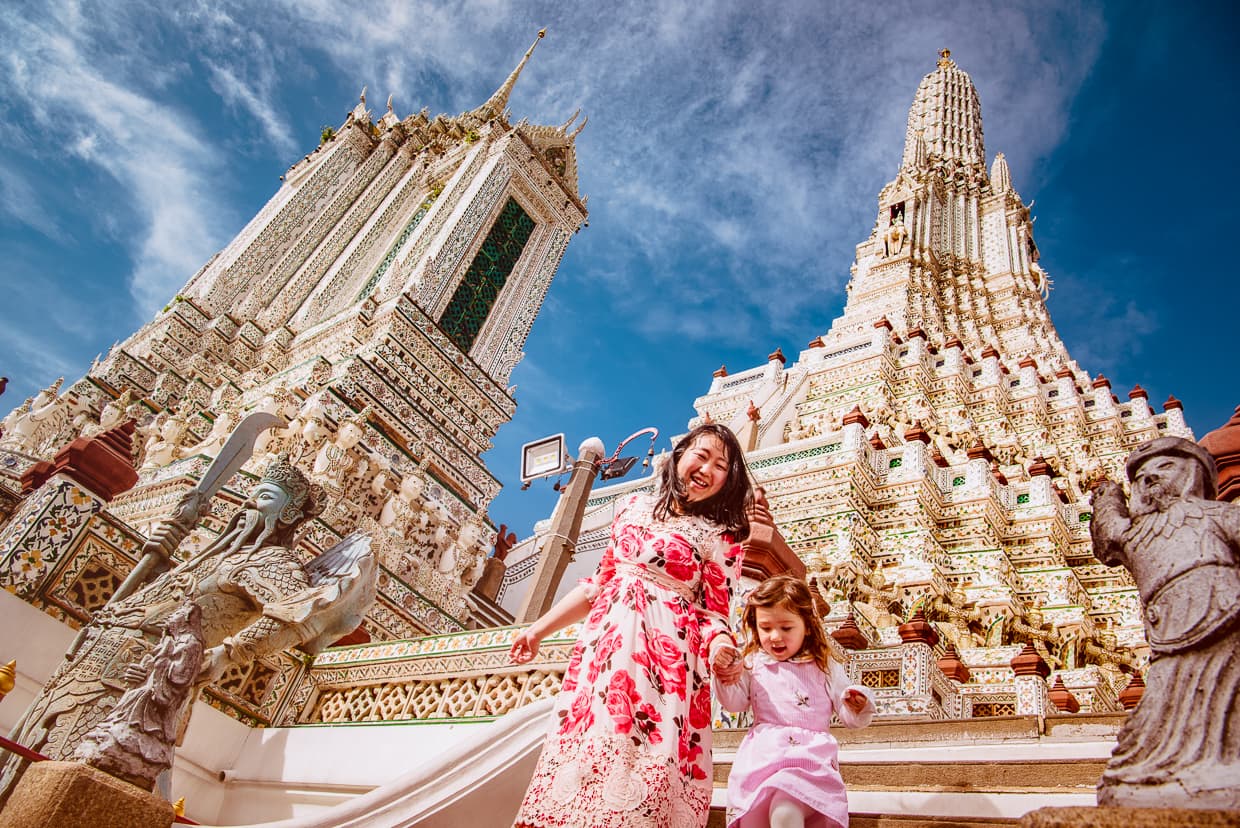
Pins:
x: 524, y: 647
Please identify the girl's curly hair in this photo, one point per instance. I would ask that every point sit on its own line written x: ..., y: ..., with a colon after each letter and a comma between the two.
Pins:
x: 789, y: 593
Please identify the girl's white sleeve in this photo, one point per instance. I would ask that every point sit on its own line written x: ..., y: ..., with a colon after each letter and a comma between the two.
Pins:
x: 734, y: 697
x: 837, y: 683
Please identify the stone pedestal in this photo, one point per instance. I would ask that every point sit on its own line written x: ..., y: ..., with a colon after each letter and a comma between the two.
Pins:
x: 73, y: 795
x: 1128, y: 818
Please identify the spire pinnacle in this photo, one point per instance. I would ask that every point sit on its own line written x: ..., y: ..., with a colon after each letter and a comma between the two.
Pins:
x: 946, y: 113
x: 1000, y: 175
x: 496, y: 103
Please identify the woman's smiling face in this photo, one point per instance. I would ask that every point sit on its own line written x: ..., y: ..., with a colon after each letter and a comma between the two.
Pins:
x: 703, y: 468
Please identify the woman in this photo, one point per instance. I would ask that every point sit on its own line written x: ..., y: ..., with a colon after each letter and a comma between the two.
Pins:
x: 631, y: 746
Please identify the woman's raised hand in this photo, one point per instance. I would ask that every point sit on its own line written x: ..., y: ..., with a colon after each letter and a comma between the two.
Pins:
x: 524, y: 647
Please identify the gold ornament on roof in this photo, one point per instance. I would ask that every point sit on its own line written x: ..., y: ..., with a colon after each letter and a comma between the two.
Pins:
x: 945, y: 58
x: 8, y: 678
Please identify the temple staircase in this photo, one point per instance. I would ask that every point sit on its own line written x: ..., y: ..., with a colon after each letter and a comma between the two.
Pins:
x: 900, y: 774
x: 974, y: 772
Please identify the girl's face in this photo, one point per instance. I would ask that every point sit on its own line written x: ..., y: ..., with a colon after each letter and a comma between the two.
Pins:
x: 781, y: 632
x: 703, y: 468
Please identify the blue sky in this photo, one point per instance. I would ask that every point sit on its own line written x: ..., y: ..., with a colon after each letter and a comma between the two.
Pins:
x: 733, y: 158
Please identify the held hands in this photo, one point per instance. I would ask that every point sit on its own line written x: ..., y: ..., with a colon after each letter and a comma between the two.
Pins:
x: 726, y: 664
x: 524, y: 646
x: 855, y: 700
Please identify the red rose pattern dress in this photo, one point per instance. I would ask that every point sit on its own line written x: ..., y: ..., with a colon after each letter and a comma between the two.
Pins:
x: 632, y: 746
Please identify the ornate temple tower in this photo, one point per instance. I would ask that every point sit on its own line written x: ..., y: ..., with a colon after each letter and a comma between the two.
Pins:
x: 933, y: 450
x: 379, y: 301
x: 952, y: 251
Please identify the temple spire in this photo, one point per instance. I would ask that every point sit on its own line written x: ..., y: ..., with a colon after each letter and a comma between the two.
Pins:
x: 1000, y: 175
x: 496, y: 104
x: 946, y: 114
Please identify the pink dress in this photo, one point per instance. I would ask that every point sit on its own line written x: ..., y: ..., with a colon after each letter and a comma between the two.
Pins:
x: 632, y: 746
x: 789, y: 749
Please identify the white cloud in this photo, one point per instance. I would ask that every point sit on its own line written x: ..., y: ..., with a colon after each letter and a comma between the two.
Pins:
x: 106, y: 119
x: 726, y: 141
x: 236, y: 92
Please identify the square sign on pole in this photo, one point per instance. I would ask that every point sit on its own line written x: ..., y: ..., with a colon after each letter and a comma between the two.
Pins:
x: 543, y: 458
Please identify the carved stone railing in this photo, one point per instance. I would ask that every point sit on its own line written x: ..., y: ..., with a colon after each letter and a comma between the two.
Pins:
x: 457, y: 676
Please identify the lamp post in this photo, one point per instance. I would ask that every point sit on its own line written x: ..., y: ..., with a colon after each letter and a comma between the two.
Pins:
x: 561, y: 541
x: 565, y: 526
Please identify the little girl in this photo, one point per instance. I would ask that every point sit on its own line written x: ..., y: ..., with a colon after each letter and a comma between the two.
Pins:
x: 786, y: 772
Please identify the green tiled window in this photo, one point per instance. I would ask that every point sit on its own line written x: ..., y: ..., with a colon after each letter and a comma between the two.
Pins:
x: 957, y: 481
x: 1022, y: 498
x: 895, y: 462
x: 1086, y: 517
x: 412, y: 224
x: 484, y: 279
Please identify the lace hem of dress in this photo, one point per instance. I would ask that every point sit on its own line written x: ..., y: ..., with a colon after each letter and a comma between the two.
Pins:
x: 608, y: 782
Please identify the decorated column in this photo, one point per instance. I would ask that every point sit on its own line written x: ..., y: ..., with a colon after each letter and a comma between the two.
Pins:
x: 62, y: 498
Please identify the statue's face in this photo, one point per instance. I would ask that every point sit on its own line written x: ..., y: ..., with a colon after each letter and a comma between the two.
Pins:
x: 471, y: 533
x: 270, y: 500
x: 350, y: 435
x: 412, y: 485
x: 1162, y: 480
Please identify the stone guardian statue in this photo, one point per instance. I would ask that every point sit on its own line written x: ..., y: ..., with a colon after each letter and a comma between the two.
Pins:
x: 257, y: 598
x: 1179, y: 747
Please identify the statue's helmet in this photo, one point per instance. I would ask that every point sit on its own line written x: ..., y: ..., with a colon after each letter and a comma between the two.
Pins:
x: 1175, y: 447
x: 305, y: 499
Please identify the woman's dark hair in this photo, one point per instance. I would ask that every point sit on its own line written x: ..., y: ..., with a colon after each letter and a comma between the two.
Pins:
x: 728, y: 506
x: 789, y: 593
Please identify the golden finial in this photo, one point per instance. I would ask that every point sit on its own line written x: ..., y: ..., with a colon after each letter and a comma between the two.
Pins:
x: 178, y: 807
x: 8, y: 677
x: 542, y: 33
x: 945, y: 57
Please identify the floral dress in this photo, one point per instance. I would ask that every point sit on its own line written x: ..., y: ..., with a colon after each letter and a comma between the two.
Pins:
x: 632, y: 745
